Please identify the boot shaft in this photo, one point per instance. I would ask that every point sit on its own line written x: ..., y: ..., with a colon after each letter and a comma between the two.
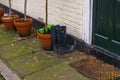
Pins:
x: 61, y: 35
x: 54, y: 38
x: 59, y: 39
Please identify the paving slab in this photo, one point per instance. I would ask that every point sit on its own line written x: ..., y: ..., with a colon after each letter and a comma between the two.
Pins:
x: 6, y: 37
x: 17, y: 48
x: 59, y: 72
x: 26, y: 64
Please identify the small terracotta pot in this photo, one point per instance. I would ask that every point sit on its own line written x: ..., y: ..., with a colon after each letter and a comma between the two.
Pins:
x: 8, y: 22
x: 23, y: 27
x: 1, y: 14
x: 46, y: 41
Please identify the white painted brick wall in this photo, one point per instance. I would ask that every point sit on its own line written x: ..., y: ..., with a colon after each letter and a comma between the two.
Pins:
x: 63, y: 12
x: 72, y: 16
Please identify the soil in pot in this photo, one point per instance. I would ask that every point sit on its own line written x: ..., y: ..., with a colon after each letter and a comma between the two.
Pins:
x: 23, y: 26
x: 1, y: 13
x: 46, y: 41
x: 8, y: 22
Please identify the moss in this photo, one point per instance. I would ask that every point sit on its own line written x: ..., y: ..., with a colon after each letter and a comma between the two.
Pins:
x: 1, y: 77
x: 26, y: 64
x: 49, y: 53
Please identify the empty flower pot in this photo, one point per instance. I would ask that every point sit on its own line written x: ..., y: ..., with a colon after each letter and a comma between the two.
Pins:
x: 8, y: 22
x: 23, y: 26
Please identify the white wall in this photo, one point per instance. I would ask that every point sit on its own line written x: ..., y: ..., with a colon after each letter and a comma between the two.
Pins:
x: 72, y: 13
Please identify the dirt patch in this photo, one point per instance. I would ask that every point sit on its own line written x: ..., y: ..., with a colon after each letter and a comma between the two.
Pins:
x: 96, y: 68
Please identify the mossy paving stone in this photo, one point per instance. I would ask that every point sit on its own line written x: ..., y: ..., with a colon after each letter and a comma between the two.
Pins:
x: 1, y: 77
x: 26, y: 65
x: 6, y: 38
x: 18, y: 48
x: 2, y: 27
x: 59, y: 72
x: 5, y: 41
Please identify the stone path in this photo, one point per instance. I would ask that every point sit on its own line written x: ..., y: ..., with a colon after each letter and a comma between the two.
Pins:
x: 7, y: 73
x: 24, y: 63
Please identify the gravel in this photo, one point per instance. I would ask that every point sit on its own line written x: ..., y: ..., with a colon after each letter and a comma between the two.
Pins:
x: 96, y: 68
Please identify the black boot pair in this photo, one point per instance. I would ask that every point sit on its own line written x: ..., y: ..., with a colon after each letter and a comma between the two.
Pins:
x: 59, y: 40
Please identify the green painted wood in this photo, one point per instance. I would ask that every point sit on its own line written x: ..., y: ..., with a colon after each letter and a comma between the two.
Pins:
x: 106, y: 24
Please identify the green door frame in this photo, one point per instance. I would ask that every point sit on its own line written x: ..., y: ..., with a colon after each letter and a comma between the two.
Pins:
x: 94, y: 20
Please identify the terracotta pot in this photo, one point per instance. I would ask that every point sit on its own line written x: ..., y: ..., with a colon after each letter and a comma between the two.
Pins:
x: 46, y: 41
x: 8, y: 22
x: 1, y: 13
x: 23, y: 27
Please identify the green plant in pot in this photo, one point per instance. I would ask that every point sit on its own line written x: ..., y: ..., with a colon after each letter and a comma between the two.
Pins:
x: 24, y: 25
x: 53, y: 37
x: 44, y: 33
x: 8, y: 20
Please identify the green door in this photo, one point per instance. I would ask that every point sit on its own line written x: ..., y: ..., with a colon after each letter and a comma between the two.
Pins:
x: 106, y: 25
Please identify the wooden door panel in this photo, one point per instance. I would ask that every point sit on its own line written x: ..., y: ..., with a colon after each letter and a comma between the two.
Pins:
x: 102, y: 18
x: 107, y: 25
x: 101, y: 33
x: 116, y: 28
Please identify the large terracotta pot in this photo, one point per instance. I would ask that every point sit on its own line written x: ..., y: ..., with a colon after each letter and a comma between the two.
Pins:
x: 46, y: 41
x: 1, y: 13
x: 8, y: 22
x: 23, y: 27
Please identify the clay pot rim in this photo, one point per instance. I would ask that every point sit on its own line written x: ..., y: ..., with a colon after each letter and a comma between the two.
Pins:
x: 2, y: 10
x: 44, y: 35
x: 5, y: 17
x: 23, y: 23
x: 29, y: 19
x: 7, y: 20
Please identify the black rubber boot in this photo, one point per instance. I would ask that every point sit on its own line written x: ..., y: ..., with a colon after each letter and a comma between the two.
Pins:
x: 54, y: 38
x: 61, y: 40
